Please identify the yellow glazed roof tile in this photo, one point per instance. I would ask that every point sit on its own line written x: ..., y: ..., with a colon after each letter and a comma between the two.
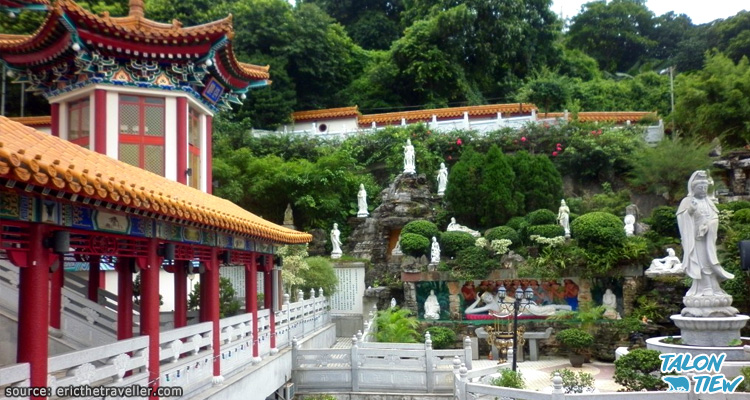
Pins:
x: 452, y: 112
x: 326, y: 113
x: 31, y: 156
x: 603, y: 116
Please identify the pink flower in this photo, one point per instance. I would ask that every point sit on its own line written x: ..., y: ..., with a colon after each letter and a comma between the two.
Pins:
x: 593, y: 132
x: 600, y: 131
x: 558, y: 145
x: 523, y: 139
x: 554, y: 154
x: 459, y: 142
x: 450, y: 158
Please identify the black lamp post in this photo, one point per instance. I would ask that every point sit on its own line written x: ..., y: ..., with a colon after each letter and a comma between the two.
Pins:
x: 521, y: 295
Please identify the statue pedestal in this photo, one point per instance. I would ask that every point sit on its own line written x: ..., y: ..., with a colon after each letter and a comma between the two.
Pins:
x: 363, y: 215
x: 716, y: 306
x: 711, y: 331
x: 336, y: 255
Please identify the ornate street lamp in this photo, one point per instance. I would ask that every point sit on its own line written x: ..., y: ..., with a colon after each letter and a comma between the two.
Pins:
x: 523, y: 299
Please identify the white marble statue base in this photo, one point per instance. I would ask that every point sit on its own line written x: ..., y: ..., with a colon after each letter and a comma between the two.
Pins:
x: 336, y: 255
x: 711, y: 332
x: 363, y: 215
x: 717, y: 306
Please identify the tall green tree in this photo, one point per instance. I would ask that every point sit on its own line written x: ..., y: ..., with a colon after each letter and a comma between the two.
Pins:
x: 538, y: 180
x: 462, y: 193
x: 497, y: 195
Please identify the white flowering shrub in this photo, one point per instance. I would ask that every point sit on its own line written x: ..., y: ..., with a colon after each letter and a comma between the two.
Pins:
x: 500, y: 246
x: 551, y: 242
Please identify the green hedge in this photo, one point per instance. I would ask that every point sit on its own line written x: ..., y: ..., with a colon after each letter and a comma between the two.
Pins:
x: 541, y: 217
x: 664, y: 222
x: 598, y: 228
x: 517, y: 223
x: 453, y: 242
x: 503, y: 232
x: 548, y: 231
x: 742, y: 216
x: 442, y: 337
x: 414, y: 245
x: 475, y: 263
x: 421, y: 227
x: 639, y: 370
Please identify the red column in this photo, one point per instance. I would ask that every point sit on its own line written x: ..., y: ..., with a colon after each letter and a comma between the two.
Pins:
x: 33, y: 308
x: 57, y: 280
x: 268, y: 293
x: 150, y: 308
x: 100, y: 122
x: 210, y: 303
x: 124, y: 299
x: 55, y: 119
x: 180, y: 293
x: 94, y: 279
x: 209, y: 157
x: 251, y: 298
x: 182, y: 140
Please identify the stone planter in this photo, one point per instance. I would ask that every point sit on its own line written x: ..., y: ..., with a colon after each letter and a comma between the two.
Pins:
x: 576, y: 360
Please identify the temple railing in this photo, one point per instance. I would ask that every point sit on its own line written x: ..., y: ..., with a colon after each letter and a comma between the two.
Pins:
x: 123, y: 363
x: 106, y: 299
x: 236, y: 342
x: 14, y: 375
x: 85, y: 321
x: 186, y: 356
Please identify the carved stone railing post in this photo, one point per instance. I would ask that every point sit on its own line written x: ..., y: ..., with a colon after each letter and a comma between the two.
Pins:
x: 462, y: 380
x: 295, y: 351
x: 289, y: 315
x: 359, y: 336
x: 557, y: 387
x: 355, y: 365
x: 467, y: 352
x: 429, y: 368
x: 456, y: 375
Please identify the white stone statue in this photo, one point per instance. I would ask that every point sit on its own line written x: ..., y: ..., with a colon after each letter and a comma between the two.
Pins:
x: 288, y: 218
x: 563, y: 217
x: 393, y: 302
x: 492, y: 305
x: 431, y: 306
x: 667, y: 265
x: 454, y: 227
x: 409, y: 163
x: 442, y: 179
x: 609, y: 301
x: 698, y: 220
x: 435, y: 251
x: 336, y: 242
x: 362, y: 202
x: 397, y: 249
x: 629, y: 224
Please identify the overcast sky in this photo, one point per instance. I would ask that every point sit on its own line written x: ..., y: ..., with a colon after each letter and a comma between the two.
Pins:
x: 699, y: 11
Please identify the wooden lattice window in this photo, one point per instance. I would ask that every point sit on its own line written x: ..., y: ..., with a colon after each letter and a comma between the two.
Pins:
x: 194, y: 148
x: 142, y: 132
x: 79, y: 117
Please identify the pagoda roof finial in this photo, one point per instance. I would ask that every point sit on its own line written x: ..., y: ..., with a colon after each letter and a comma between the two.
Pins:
x: 136, y: 8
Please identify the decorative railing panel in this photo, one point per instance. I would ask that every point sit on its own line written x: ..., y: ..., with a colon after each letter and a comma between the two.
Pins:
x: 14, y: 375
x: 107, y: 299
x: 86, y: 321
x: 236, y: 342
x: 186, y: 356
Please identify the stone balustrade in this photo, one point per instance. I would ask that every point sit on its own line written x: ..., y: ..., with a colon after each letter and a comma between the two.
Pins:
x: 236, y: 342
x: 107, y: 299
x: 14, y: 375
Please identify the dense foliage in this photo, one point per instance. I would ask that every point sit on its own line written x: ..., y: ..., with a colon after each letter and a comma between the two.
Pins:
x: 442, y: 337
x: 414, y: 245
x: 453, y: 242
x: 639, y: 370
x: 421, y: 227
x: 396, y: 325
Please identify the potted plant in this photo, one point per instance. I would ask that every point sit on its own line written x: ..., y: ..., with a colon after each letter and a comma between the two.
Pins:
x: 578, y: 342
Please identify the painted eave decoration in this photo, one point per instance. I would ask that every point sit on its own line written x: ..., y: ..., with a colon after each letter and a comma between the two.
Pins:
x: 29, y: 158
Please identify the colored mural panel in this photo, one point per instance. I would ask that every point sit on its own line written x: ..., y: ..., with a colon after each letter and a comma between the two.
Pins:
x: 192, y: 235
x: 79, y: 217
x: 10, y: 205
x: 141, y: 227
x: 111, y: 222
x: 50, y: 212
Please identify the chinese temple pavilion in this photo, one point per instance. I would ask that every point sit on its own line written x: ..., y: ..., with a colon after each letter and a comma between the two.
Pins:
x: 126, y: 176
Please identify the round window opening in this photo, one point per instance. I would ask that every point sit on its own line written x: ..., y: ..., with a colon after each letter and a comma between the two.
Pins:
x: 322, y: 127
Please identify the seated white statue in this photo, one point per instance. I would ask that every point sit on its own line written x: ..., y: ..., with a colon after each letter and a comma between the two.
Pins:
x: 494, y: 307
x: 431, y: 306
x: 609, y: 301
x: 629, y: 224
x: 668, y: 264
x: 454, y: 227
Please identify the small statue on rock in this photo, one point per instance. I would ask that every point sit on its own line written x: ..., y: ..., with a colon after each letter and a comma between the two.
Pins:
x: 432, y: 306
x: 455, y: 227
x: 409, y: 163
x: 629, y: 224
x: 563, y: 217
x: 665, y: 266
x: 442, y: 179
x: 435, y: 252
x: 336, y: 242
x: 609, y: 301
x: 362, y: 202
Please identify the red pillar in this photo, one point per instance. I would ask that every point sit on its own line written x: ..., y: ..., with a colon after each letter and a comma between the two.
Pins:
x: 57, y: 280
x: 180, y: 293
x: 268, y: 294
x: 55, y: 119
x: 94, y: 279
x: 150, y: 267
x: 210, y: 305
x: 182, y: 140
x: 33, y: 308
x: 209, y: 157
x: 251, y: 298
x: 124, y: 298
x: 100, y: 122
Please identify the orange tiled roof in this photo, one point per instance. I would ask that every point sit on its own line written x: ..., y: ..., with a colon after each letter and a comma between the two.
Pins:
x: 327, y: 113
x: 44, y: 120
x: 452, y: 112
x: 28, y: 155
x: 603, y: 116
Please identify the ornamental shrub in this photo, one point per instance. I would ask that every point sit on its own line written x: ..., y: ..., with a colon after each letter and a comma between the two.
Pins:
x: 547, y: 231
x: 640, y: 370
x: 474, y: 263
x: 503, y: 232
x: 422, y: 227
x: 414, y: 245
x: 575, y: 340
x: 572, y: 382
x: 737, y: 205
x: 537, y: 179
x: 517, y: 223
x: 541, y: 217
x: 664, y: 221
x: 453, y: 242
x: 510, y: 379
x: 598, y: 228
x: 442, y: 337
x: 741, y: 216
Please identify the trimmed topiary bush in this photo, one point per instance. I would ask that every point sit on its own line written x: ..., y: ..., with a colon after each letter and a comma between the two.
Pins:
x: 664, y: 222
x: 442, y: 337
x: 517, y: 223
x: 548, y: 231
x: 453, y: 242
x: 541, y: 217
x: 421, y: 227
x: 598, y: 228
x: 503, y: 232
x: 510, y: 379
x: 474, y: 263
x: 414, y: 245
x: 640, y: 370
x: 742, y: 216
x: 575, y: 340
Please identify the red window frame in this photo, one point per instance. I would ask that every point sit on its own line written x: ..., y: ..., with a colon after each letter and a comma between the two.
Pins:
x: 141, y: 139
